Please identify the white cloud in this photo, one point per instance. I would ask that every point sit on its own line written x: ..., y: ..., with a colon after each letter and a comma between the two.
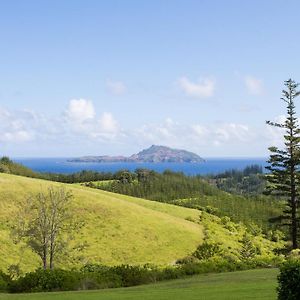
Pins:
x: 231, y: 132
x: 203, y: 88
x: 195, y: 136
x: 13, y: 128
x: 16, y: 136
x: 82, y: 119
x: 116, y: 87
x: 275, y: 134
x: 80, y: 126
x: 254, y: 85
x: 80, y: 110
x: 108, y: 123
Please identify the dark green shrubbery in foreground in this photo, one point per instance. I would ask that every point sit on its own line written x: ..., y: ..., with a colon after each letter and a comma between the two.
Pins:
x: 99, y: 277
x: 289, y: 281
x: 46, y: 281
x: 5, y: 281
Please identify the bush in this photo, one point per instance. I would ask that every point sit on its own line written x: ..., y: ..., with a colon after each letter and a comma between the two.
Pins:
x: 289, y: 281
x: 46, y: 281
x: 187, y: 260
x: 135, y: 275
x: 207, y: 250
x: 4, y: 168
x: 99, y: 277
x: 4, y: 282
x: 249, y: 250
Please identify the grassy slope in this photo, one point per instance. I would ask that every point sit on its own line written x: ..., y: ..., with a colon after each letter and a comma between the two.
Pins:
x: 254, y: 284
x: 193, y: 193
x: 119, y: 229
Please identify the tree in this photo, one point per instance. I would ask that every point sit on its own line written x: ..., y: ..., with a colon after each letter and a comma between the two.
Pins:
x: 248, y: 249
x: 124, y: 176
x: 46, y: 223
x: 284, y: 164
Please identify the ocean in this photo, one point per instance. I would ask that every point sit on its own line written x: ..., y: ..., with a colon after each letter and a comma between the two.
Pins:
x: 209, y: 166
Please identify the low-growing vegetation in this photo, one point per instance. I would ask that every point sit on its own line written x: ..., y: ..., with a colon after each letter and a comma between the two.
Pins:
x: 289, y: 280
x: 257, y: 284
x: 100, y: 277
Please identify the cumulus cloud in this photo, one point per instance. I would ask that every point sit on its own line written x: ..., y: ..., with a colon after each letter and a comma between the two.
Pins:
x: 78, y: 122
x: 81, y: 118
x: 203, y: 88
x: 81, y: 125
x: 231, y: 131
x: 194, y: 136
x: 116, y: 87
x: 254, y: 85
x: 80, y: 110
x: 13, y: 128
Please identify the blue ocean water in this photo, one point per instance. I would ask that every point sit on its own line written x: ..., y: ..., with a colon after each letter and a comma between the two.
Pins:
x: 209, y: 166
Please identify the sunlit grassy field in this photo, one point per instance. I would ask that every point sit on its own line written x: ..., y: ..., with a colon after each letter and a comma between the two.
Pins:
x: 254, y: 284
x: 118, y: 229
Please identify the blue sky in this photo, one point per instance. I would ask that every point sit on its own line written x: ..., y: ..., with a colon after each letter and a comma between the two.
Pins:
x: 113, y: 77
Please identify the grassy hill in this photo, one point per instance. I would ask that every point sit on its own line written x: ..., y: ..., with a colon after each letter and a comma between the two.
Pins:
x: 119, y: 229
x: 196, y: 192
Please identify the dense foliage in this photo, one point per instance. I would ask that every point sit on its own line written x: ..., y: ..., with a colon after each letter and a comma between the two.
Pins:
x: 196, y: 192
x: 99, y: 276
x: 289, y: 281
x: 10, y: 167
x: 249, y: 181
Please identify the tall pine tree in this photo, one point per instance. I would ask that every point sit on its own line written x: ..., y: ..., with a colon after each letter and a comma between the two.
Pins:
x: 284, y: 164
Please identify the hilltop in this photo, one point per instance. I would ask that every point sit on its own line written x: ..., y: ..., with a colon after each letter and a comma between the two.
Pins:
x: 153, y: 154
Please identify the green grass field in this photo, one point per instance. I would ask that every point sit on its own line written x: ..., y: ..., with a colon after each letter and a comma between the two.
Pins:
x: 118, y: 229
x: 254, y: 284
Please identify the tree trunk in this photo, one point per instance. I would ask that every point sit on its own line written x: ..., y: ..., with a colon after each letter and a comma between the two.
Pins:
x: 51, y: 264
x: 294, y: 228
x: 52, y: 249
x: 44, y: 258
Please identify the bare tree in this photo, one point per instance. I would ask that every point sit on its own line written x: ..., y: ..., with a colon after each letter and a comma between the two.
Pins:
x: 46, y: 223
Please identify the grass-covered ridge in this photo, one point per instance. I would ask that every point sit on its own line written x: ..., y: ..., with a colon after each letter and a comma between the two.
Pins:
x: 117, y: 229
x: 196, y: 192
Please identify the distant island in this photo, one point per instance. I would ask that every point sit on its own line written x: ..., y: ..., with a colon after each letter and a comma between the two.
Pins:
x: 154, y: 154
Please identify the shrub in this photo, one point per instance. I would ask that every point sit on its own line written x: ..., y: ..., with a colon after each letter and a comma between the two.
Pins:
x: 275, y: 235
x: 135, y: 275
x: 187, y: 260
x: 99, y: 277
x: 207, y: 250
x: 46, y: 281
x: 289, y: 281
x: 249, y: 250
x: 254, y: 229
x: 4, y: 282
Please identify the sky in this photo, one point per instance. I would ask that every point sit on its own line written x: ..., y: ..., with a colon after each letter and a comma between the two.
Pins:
x: 92, y: 77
